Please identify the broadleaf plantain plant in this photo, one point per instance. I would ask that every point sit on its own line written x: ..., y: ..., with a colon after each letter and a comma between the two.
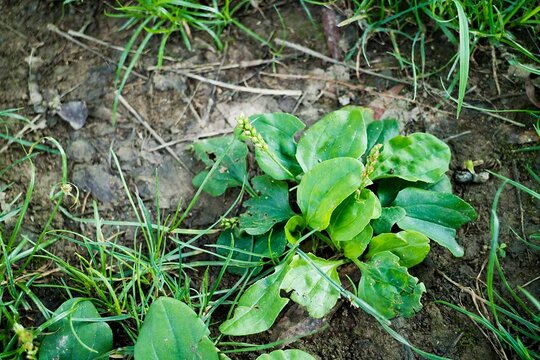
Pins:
x: 350, y: 184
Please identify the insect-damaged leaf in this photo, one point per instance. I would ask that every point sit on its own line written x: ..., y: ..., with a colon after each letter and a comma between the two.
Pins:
x: 270, y: 207
x: 388, y: 287
x: 310, y: 289
x: 231, y: 171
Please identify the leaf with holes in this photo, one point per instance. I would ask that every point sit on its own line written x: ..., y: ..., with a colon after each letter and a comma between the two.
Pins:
x: 278, y: 131
x: 72, y: 337
x: 388, y: 287
x: 270, y: 207
x: 417, y: 157
x: 338, y: 134
x: 325, y: 186
x: 230, y: 172
x: 310, y: 289
x: 172, y: 330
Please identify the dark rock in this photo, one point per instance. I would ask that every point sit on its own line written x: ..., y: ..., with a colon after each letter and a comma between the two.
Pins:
x: 98, y: 181
x: 81, y: 151
x: 75, y: 113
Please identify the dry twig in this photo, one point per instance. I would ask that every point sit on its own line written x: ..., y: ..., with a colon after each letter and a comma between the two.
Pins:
x: 152, y: 132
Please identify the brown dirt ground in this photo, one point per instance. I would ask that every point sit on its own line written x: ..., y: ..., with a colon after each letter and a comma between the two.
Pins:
x: 351, y: 334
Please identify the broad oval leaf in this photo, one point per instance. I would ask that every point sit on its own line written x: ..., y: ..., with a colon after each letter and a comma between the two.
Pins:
x: 258, y: 307
x: 294, y: 228
x: 437, y: 215
x: 290, y: 354
x: 278, y: 131
x: 310, y: 289
x: 352, y: 215
x: 325, y: 186
x: 96, y: 338
x: 389, y: 217
x: 411, y: 247
x: 248, y: 250
x: 231, y: 171
x: 270, y: 207
x: 172, y: 330
x: 379, y: 132
x: 354, y: 248
x: 341, y: 133
x: 388, y: 287
x: 417, y: 157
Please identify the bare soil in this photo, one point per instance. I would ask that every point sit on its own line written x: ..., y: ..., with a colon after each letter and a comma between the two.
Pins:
x: 180, y: 108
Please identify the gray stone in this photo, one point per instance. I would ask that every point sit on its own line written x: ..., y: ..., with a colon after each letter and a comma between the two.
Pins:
x: 174, y: 184
x: 81, y: 151
x: 98, y: 181
x: 75, y: 113
x: 169, y: 82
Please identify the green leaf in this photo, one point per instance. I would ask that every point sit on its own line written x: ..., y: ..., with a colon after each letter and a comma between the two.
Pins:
x: 389, y: 217
x: 310, y: 289
x: 278, y: 131
x: 290, y: 354
x: 387, y: 189
x: 434, y: 214
x: 352, y: 215
x: 258, y: 307
x: 388, y: 287
x: 73, y: 338
x: 354, y: 248
x: 379, y: 132
x: 417, y: 157
x: 267, y: 209
x: 338, y: 134
x: 172, y: 330
x: 464, y: 54
x: 231, y: 172
x: 411, y: 247
x: 251, y: 248
x: 294, y: 228
x: 325, y: 186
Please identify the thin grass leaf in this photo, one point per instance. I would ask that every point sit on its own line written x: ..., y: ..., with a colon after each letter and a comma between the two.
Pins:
x: 463, y: 54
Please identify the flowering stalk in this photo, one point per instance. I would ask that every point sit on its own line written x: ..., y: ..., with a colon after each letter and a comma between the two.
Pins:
x: 371, y: 159
x: 249, y: 132
x: 26, y: 341
x: 228, y: 223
